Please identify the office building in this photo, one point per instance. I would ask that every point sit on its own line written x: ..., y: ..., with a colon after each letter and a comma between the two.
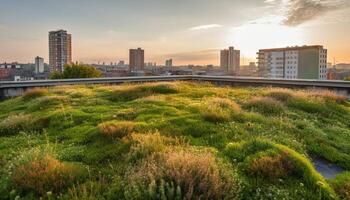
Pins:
x: 306, y: 62
x: 60, y: 50
x: 136, y: 59
x: 39, y: 65
x: 169, y: 63
x: 230, y: 60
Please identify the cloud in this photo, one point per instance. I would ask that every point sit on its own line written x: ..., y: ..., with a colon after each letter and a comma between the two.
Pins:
x: 300, y: 11
x: 205, y: 27
x: 270, y: 1
x: 270, y: 19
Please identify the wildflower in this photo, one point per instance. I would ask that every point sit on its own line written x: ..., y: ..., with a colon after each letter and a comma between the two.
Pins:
x: 320, y: 183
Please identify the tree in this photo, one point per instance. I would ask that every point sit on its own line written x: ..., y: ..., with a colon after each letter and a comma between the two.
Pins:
x: 76, y: 70
x: 347, y: 78
x: 56, y: 75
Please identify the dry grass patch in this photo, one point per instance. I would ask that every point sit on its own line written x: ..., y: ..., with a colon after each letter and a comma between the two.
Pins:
x: 81, y: 92
x: 182, y: 174
x: 154, y: 98
x: 328, y: 96
x: 35, y: 93
x: 285, y: 95
x: 144, y: 145
x: 219, y: 110
x: 14, y: 124
x: 48, y: 101
x: 116, y: 129
x: 280, y: 94
x: 271, y: 167
x: 265, y: 105
x: 42, y: 173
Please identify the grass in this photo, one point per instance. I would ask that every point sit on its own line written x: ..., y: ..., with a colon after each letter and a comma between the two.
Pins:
x: 116, y: 130
x: 16, y: 123
x: 34, y: 93
x: 341, y: 185
x: 270, y: 166
x: 172, y: 140
x: 181, y: 174
x: 264, y: 161
x: 219, y: 110
x: 132, y: 92
x: 38, y: 171
x: 265, y: 106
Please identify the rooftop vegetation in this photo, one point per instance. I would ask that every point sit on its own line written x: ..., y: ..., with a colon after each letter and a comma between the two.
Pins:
x: 172, y: 140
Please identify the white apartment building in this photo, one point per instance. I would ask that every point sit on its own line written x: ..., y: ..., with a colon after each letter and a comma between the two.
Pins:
x: 39, y: 65
x: 306, y: 62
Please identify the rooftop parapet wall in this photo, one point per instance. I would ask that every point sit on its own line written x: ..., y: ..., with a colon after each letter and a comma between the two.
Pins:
x: 11, y: 89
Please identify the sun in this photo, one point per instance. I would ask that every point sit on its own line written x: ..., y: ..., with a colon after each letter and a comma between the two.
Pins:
x: 251, y: 37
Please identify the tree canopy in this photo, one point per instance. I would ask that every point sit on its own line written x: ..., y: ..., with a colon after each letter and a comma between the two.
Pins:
x: 76, y: 70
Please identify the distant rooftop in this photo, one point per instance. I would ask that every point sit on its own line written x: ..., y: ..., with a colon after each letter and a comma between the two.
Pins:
x: 294, y: 48
x: 59, y: 30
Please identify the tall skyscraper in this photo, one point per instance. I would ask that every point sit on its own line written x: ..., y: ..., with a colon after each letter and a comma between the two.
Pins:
x: 230, y: 60
x: 39, y: 65
x: 60, y: 50
x: 136, y: 59
x: 306, y: 62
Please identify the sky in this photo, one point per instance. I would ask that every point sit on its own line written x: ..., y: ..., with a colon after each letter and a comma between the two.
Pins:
x: 188, y: 31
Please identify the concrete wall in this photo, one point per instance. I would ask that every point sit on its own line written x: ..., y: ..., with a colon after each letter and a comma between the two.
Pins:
x: 11, y: 92
x: 12, y: 89
x: 308, y: 64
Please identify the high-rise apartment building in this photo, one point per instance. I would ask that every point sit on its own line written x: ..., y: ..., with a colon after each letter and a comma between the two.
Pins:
x: 230, y: 60
x: 39, y: 65
x: 169, y: 63
x: 306, y: 62
x: 60, y: 50
x: 136, y: 59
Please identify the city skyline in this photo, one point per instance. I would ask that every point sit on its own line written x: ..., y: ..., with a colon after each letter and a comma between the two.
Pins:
x: 193, y: 33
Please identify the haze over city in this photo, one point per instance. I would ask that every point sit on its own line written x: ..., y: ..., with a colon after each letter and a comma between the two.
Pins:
x: 189, y: 31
